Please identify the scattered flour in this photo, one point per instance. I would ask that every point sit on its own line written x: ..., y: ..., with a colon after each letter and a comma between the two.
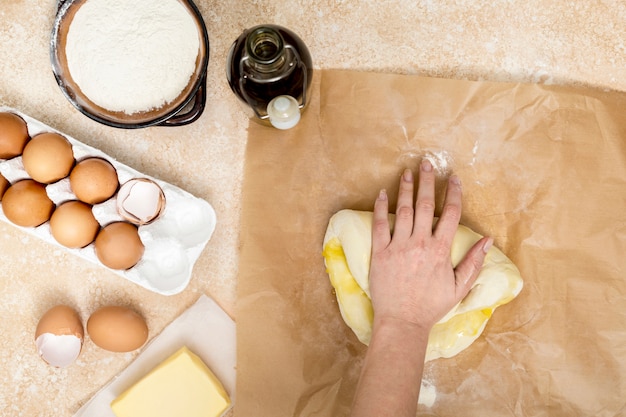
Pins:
x: 440, y: 160
x: 428, y: 394
x: 132, y: 56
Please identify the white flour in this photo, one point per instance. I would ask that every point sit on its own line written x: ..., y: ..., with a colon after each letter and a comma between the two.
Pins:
x: 440, y: 160
x: 428, y: 394
x: 132, y: 55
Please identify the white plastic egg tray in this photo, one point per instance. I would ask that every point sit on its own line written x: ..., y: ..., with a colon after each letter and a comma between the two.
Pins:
x: 173, y: 242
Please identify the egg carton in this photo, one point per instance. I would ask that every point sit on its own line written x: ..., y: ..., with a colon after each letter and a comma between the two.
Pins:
x: 173, y: 242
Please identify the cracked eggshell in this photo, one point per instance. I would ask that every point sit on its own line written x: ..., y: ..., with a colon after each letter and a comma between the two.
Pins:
x: 59, y: 336
x: 140, y: 201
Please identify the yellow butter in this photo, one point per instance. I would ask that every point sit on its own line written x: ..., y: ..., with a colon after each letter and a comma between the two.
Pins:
x: 182, y: 385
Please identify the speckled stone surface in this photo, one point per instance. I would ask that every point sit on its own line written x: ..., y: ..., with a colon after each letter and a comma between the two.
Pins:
x: 548, y: 41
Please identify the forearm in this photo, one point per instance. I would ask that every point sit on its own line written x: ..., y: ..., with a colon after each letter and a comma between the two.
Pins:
x: 392, y: 371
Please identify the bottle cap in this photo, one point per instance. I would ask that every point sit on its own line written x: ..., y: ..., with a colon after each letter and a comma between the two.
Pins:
x: 284, y: 112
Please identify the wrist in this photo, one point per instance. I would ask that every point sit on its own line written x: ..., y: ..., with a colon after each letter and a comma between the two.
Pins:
x: 393, y: 327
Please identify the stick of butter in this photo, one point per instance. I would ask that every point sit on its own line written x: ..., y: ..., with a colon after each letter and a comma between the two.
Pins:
x: 182, y: 385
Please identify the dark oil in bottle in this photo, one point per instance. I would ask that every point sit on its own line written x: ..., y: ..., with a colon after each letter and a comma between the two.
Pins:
x: 268, y: 61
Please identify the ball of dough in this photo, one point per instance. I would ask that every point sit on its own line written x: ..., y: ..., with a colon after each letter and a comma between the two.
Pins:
x: 347, y: 253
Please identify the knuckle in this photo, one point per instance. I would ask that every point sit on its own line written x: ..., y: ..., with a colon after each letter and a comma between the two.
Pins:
x: 426, y: 206
x: 478, y: 262
x: 380, y: 225
x: 405, y: 212
x: 421, y: 243
x: 443, y: 249
x: 451, y: 211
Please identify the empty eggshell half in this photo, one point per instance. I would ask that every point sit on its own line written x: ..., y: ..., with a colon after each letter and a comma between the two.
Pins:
x: 59, y: 336
x: 140, y: 201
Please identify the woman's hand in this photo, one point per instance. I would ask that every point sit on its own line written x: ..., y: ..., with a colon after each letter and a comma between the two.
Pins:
x: 412, y: 284
x: 411, y: 275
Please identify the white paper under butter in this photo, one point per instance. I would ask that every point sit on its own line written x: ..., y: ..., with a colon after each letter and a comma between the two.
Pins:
x: 205, y: 328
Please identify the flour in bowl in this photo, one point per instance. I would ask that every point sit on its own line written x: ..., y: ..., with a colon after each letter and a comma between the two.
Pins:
x: 132, y: 55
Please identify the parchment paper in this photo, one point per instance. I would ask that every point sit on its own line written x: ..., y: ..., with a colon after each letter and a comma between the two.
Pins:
x: 544, y: 173
x: 204, y: 328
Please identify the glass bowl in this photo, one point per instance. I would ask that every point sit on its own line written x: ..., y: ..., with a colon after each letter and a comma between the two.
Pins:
x: 184, y: 109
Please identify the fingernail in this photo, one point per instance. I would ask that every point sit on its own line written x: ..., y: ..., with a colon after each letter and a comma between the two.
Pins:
x: 382, y: 195
x: 408, y: 175
x: 426, y: 165
x: 488, y: 244
x: 455, y: 180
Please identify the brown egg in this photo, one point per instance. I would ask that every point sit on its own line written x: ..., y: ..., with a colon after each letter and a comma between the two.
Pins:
x: 118, y: 329
x: 13, y: 135
x: 73, y: 224
x: 94, y: 180
x: 119, y: 246
x: 59, y: 336
x: 26, y: 203
x: 4, y: 184
x: 48, y: 157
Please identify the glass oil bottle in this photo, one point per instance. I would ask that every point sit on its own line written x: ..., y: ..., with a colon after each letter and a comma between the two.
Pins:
x: 269, y: 68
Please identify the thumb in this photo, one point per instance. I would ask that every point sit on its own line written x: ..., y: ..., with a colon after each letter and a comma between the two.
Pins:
x: 468, y: 269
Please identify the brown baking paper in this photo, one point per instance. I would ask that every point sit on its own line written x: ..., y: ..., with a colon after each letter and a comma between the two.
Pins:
x: 544, y: 173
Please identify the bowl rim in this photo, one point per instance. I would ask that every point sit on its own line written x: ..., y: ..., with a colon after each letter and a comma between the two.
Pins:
x: 195, y: 96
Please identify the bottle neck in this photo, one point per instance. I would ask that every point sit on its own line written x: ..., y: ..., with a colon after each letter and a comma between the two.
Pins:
x: 266, y: 52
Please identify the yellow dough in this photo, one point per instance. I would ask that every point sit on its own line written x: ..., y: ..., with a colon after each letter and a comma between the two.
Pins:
x: 347, y: 253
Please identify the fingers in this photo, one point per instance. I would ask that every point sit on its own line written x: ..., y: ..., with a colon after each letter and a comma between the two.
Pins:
x: 418, y: 219
x: 468, y: 269
x: 425, y: 203
x: 451, y: 213
x: 404, y: 208
x: 381, y: 235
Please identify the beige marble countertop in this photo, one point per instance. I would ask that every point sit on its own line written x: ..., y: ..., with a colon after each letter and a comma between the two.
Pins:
x: 536, y: 41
